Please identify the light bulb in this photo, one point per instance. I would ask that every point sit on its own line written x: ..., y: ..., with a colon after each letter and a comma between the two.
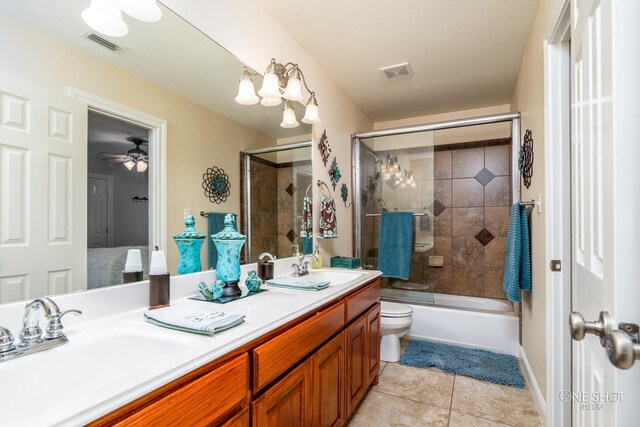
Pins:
x: 246, y: 91
x: 143, y: 10
x: 311, y: 113
x: 293, y: 91
x: 270, y: 86
x: 288, y: 116
x: 141, y: 166
x: 105, y: 17
x: 129, y: 164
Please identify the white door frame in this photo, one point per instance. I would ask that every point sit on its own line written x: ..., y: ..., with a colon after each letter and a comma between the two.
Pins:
x: 557, y: 86
x: 157, y: 157
x: 109, y: 179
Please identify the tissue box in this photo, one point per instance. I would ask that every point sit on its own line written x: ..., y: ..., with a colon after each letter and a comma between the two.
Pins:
x: 345, y: 262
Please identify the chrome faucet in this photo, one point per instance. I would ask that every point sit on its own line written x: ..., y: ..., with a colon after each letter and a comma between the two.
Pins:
x: 302, y: 267
x: 31, y: 338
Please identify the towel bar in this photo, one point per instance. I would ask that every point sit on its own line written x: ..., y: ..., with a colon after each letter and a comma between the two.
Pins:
x: 204, y: 214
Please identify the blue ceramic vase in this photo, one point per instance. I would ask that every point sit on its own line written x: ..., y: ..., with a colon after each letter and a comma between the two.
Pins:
x: 253, y: 282
x: 228, y: 244
x: 189, y: 243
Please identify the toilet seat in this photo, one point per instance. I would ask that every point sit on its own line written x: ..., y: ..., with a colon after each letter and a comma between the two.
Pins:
x: 394, y: 310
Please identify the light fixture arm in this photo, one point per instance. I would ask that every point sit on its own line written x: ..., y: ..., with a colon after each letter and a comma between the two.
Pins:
x: 285, y: 71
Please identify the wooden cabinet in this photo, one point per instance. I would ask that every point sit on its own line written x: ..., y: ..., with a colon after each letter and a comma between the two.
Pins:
x: 329, y: 383
x: 312, y: 371
x: 373, y: 345
x: 288, y: 403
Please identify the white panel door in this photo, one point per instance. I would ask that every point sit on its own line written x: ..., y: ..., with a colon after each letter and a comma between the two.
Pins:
x: 605, y: 234
x: 43, y: 191
x: 99, y: 206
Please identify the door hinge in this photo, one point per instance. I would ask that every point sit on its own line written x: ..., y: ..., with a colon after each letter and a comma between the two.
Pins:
x: 556, y: 265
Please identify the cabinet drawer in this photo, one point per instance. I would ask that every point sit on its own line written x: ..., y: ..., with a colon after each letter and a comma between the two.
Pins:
x: 279, y: 354
x: 363, y: 299
x: 202, y: 401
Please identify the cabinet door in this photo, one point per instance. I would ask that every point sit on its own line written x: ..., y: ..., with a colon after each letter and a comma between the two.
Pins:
x: 357, y: 372
x: 288, y: 403
x: 329, y: 367
x: 241, y: 419
x: 373, y: 338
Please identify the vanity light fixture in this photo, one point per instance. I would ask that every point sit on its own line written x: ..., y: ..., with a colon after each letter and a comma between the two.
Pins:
x: 105, y: 16
x: 280, y: 81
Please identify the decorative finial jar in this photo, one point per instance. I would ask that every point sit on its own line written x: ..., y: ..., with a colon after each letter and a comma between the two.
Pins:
x: 228, y: 243
x: 189, y: 242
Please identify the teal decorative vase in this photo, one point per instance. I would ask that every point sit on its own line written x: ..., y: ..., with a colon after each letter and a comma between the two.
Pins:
x: 253, y: 282
x: 189, y: 243
x: 228, y: 243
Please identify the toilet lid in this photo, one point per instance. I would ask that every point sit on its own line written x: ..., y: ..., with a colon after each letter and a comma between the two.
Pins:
x: 392, y: 309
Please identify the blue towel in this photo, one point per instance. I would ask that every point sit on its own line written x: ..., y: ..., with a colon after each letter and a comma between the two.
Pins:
x: 517, y: 268
x: 307, y: 245
x: 396, y: 235
x: 215, y: 224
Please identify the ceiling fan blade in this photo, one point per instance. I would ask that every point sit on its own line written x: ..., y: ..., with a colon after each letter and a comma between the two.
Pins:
x: 115, y: 160
x: 106, y: 156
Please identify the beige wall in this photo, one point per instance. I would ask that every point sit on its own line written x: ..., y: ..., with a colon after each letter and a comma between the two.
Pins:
x: 528, y: 98
x: 251, y: 34
x: 197, y: 137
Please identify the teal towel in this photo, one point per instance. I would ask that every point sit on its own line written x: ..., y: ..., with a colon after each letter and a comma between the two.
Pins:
x: 193, y: 320
x: 307, y: 245
x: 517, y: 269
x: 215, y: 224
x: 396, y: 235
x: 300, y: 284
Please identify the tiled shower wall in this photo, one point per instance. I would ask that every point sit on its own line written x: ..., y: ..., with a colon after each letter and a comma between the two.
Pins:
x: 293, y: 180
x: 264, y: 208
x: 472, y: 198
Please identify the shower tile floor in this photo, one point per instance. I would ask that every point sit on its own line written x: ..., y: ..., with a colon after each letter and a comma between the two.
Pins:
x: 408, y: 396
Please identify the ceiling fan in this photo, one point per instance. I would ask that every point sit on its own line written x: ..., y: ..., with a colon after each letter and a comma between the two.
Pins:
x: 135, y: 157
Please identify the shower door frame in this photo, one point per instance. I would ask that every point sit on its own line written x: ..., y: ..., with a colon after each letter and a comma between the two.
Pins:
x: 513, y: 117
x: 246, y: 157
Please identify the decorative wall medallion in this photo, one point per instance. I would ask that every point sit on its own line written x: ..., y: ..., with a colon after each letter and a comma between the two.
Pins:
x: 344, y: 193
x: 324, y: 148
x: 216, y: 185
x: 525, y: 159
x: 334, y: 173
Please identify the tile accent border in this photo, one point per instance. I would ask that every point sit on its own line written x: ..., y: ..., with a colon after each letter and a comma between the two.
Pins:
x: 538, y: 396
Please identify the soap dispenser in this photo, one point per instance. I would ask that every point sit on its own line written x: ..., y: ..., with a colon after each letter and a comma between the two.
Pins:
x: 317, y: 264
x: 265, y: 266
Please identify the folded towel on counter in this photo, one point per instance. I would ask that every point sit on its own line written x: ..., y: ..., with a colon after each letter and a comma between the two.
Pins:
x: 215, y: 224
x: 517, y: 270
x: 328, y: 224
x: 396, y: 235
x: 294, y: 283
x: 193, y: 320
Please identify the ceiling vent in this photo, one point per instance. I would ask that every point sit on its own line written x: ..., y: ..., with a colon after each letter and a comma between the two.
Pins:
x: 398, y: 71
x: 103, y: 42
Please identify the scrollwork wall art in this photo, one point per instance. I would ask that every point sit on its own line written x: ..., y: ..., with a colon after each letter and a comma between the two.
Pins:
x: 323, y: 146
x: 525, y: 159
x: 216, y: 185
x: 334, y: 173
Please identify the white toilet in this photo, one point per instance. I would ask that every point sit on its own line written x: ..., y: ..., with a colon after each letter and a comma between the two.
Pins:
x: 395, y: 321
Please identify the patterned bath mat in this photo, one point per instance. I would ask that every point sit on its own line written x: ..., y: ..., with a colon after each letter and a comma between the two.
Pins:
x: 471, y: 362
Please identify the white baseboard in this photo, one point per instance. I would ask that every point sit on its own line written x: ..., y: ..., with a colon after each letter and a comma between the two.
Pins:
x: 538, y: 397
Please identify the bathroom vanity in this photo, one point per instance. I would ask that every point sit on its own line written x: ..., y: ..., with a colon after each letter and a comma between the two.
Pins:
x: 300, y: 358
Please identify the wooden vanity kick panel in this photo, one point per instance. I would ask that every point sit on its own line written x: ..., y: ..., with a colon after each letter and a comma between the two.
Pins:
x: 202, y: 401
x: 362, y: 300
x: 280, y: 353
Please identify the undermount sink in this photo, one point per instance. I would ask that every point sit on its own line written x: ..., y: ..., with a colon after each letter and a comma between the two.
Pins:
x: 334, y: 277
x: 53, y: 375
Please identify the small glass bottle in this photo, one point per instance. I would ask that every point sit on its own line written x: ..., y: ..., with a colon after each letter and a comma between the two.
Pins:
x: 317, y: 264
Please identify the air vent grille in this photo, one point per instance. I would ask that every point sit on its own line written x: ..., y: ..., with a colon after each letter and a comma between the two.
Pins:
x: 103, y: 42
x: 398, y: 71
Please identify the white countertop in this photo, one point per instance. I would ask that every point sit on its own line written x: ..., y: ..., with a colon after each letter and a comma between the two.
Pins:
x: 114, y: 356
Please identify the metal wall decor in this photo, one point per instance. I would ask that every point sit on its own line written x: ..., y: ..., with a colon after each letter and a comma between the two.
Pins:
x: 334, y: 173
x: 525, y: 158
x: 344, y: 194
x: 216, y: 185
x: 323, y: 146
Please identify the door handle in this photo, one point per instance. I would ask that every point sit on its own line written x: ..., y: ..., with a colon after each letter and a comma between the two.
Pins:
x: 601, y: 327
x: 622, y: 348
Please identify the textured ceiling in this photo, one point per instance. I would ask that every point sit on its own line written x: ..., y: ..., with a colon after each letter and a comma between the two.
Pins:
x: 464, y: 53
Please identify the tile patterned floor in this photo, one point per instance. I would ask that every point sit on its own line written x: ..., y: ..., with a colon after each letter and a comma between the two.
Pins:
x: 407, y: 396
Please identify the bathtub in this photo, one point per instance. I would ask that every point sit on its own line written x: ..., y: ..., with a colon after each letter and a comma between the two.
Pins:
x: 468, y: 321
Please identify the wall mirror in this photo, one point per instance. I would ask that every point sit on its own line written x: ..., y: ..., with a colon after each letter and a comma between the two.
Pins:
x: 277, y: 179
x: 96, y: 183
